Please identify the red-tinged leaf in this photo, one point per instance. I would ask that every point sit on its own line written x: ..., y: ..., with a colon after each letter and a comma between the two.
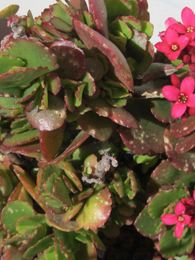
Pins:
x: 28, y: 184
x: 99, y: 12
x: 118, y: 115
x: 185, y: 144
x: 79, y: 4
x: 183, y: 127
x: 20, y: 77
x: 70, y: 58
x: 31, y: 150
x: 93, y: 39
x: 183, y: 162
x: 40, y: 33
x: 52, y: 30
x: 135, y: 145
x: 50, y: 142
x: 76, y: 143
x: 11, y: 253
x: 49, y: 119
x: 21, y: 138
x: 96, y: 210
x: 98, y: 127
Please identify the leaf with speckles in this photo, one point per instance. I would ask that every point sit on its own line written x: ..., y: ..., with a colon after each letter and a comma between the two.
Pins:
x: 70, y: 58
x: 14, y: 211
x: 49, y: 119
x: 38, y: 56
x: 99, y: 127
x: 161, y: 109
x: 118, y: 115
x: 96, y: 210
x: 93, y: 39
x: 183, y: 127
x: 99, y: 12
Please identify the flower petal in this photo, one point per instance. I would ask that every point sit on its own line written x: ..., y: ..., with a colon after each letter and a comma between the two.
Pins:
x: 175, y: 80
x: 183, y: 41
x: 170, y: 21
x: 178, y: 27
x: 179, y: 230
x: 178, y: 110
x: 169, y: 219
x: 191, y: 101
x: 173, y: 55
x: 179, y: 209
x: 187, y: 85
x: 188, y: 17
x: 162, y: 47
x: 187, y: 219
x: 171, y: 36
x: 192, y: 111
x: 170, y: 93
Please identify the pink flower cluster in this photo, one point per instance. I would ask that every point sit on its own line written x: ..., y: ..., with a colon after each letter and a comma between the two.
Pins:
x: 181, y: 94
x: 183, y: 216
x: 178, y: 41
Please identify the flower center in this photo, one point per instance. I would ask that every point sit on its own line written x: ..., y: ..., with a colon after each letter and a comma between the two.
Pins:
x: 174, y: 47
x: 190, y: 29
x: 183, y: 98
x: 180, y: 219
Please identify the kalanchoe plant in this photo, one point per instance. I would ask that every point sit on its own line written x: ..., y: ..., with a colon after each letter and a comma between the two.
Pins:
x: 97, y: 133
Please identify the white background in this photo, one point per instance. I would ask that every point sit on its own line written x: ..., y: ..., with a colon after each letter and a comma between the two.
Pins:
x: 159, y: 9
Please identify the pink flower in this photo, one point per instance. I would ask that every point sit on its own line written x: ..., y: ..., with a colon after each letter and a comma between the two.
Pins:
x: 188, y: 26
x: 192, y: 111
x: 179, y: 219
x: 182, y: 96
x: 172, y: 44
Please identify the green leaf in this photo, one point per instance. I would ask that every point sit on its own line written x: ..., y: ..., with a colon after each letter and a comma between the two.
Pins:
x: 170, y: 246
x: 147, y: 225
x: 29, y: 223
x: 8, y: 11
x: 38, y: 247
x: 20, y: 77
x: 22, y: 138
x: 96, y: 210
x: 8, y: 62
x: 33, y: 52
x: 14, y: 211
x: 163, y: 199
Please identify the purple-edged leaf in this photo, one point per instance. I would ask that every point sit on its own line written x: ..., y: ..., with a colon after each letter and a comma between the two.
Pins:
x: 161, y: 110
x: 93, y: 39
x: 8, y: 62
x: 49, y: 119
x: 99, y: 127
x: 118, y: 115
x: 30, y: 92
x: 38, y: 32
x: 183, y: 127
x: 50, y: 142
x: 71, y: 59
x: 76, y: 143
x: 143, y: 10
x: 38, y: 56
x: 22, y: 138
x: 99, y: 12
x: 95, y: 67
x: 20, y: 77
x: 96, y: 210
x: 183, y: 162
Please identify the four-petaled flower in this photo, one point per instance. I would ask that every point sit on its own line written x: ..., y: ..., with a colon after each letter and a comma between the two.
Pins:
x: 179, y: 219
x: 182, y: 96
x: 172, y: 44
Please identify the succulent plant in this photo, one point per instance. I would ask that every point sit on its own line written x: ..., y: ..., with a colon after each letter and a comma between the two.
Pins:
x: 86, y: 135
